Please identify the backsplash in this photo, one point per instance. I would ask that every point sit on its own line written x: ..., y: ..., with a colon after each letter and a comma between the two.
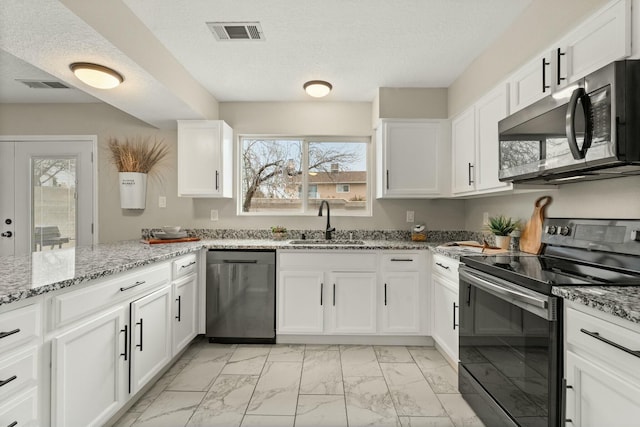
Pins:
x: 432, y: 235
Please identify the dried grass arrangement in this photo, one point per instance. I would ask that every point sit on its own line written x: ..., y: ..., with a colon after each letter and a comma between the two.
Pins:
x: 137, y: 154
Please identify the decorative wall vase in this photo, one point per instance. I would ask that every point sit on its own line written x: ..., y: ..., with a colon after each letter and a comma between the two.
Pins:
x: 503, y: 241
x: 133, y: 190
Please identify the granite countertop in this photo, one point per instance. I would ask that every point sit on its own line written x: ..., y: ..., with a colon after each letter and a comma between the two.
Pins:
x: 46, y: 271
x: 620, y: 301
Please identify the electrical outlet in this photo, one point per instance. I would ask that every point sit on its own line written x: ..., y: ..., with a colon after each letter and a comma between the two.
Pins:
x: 410, y: 216
x: 214, y: 214
x: 485, y: 218
x: 162, y: 202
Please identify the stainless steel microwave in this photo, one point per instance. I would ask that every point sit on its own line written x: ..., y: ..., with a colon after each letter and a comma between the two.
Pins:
x: 588, y: 130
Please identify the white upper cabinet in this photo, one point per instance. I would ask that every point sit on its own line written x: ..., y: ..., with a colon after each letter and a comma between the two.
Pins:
x: 601, y: 39
x: 205, y: 158
x: 412, y: 158
x: 474, y: 139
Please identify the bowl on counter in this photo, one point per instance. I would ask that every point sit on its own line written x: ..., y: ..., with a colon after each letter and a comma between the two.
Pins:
x: 171, y: 228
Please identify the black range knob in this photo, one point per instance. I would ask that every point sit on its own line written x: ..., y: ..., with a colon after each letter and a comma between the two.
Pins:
x: 6, y: 234
x: 551, y: 229
x: 565, y: 231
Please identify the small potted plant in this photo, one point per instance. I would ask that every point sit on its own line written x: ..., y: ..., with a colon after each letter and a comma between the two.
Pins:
x: 278, y: 232
x: 502, y: 227
x: 134, y: 159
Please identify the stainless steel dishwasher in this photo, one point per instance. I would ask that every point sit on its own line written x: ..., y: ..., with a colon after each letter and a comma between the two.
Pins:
x: 241, y: 296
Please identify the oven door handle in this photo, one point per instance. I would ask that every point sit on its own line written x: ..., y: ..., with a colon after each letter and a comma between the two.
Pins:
x: 509, y: 292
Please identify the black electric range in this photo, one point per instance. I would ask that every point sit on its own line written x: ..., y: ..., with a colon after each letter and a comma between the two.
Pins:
x: 511, y: 365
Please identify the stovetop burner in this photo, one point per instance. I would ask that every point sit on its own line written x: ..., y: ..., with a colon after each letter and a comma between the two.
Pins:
x: 589, y: 252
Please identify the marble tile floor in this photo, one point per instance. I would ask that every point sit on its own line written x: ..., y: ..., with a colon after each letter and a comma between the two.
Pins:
x: 304, y: 385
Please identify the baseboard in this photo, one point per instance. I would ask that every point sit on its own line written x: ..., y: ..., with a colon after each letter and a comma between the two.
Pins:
x: 356, y: 339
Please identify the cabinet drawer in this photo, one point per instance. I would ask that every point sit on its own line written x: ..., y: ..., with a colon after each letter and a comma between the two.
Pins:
x: 587, y: 332
x: 20, y: 326
x: 21, y: 411
x: 445, y: 267
x: 18, y: 371
x: 184, y: 266
x: 402, y: 261
x: 75, y: 304
x: 331, y: 260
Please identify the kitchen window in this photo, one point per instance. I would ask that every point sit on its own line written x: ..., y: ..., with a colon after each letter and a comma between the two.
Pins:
x: 291, y: 175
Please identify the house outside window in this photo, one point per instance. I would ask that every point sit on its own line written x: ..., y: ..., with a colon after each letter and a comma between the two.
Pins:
x: 291, y: 176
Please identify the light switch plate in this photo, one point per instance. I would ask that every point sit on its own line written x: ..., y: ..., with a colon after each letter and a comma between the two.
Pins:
x: 214, y: 214
x: 410, y: 216
x: 162, y: 202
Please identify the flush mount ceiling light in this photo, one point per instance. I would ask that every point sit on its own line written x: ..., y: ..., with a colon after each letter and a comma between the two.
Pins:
x: 317, y: 88
x: 95, y: 75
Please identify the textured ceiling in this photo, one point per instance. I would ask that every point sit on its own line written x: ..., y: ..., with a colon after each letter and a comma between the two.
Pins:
x: 175, y: 69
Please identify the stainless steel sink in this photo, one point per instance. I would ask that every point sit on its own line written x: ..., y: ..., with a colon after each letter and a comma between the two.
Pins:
x: 334, y: 242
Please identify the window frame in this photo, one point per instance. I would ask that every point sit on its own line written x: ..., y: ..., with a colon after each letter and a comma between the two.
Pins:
x: 306, y: 140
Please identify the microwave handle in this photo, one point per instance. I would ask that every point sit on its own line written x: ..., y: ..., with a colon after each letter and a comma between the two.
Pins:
x: 579, y: 95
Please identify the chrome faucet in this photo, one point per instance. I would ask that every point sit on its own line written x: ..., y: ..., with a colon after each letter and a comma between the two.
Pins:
x: 329, y: 230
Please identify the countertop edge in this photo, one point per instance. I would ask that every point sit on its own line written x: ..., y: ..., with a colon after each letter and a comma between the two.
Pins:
x: 619, y: 301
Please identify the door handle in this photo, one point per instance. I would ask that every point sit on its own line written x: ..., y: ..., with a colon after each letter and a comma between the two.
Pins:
x: 141, y: 282
x: 469, y: 171
x: 544, y: 75
x: 321, y: 287
x: 579, y: 95
x: 126, y: 347
x: 597, y: 336
x: 8, y: 380
x: 454, y: 316
x: 187, y: 265
x: 385, y: 294
x: 334, y: 294
x: 217, y: 180
x: 446, y: 267
x: 559, y: 54
x: 179, y: 299
x: 141, y: 334
x: 6, y: 334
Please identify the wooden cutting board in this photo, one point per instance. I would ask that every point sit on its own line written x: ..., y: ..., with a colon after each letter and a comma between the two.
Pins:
x: 532, y: 232
x: 159, y: 241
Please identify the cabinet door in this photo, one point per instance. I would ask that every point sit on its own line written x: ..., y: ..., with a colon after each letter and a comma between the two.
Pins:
x: 463, y: 130
x: 531, y: 82
x: 88, y: 371
x: 412, y: 156
x: 184, y: 311
x: 205, y: 162
x: 301, y: 302
x: 445, y: 315
x: 606, y: 37
x: 492, y: 108
x: 353, y: 302
x: 150, y: 336
x: 598, y: 396
x: 401, y: 302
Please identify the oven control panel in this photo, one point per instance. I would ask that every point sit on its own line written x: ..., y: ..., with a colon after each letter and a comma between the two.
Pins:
x: 610, y: 235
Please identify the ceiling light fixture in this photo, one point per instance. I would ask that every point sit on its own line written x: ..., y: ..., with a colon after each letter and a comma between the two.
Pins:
x: 317, y: 88
x: 95, y: 75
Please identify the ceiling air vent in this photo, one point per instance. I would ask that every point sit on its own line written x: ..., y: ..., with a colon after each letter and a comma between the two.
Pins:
x: 229, y: 31
x: 40, y: 84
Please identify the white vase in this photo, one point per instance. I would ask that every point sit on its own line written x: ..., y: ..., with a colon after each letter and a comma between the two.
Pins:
x: 503, y: 241
x: 133, y: 190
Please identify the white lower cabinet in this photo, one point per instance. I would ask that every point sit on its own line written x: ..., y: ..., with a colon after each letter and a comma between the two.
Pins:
x: 20, y: 410
x: 301, y: 302
x: 185, y: 312
x: 602, y: 377
x: 150, y: 336
x: 353, y: 303
x: 401, y: 302
x: 444, y: 281
x: 89, y: 371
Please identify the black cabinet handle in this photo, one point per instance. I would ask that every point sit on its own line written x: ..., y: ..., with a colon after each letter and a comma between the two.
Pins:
x: 141, y: 282
x: 6, y: 334
x: 13, y: 424
x: 454, y: 316
x: 334, y: 294
x: 7, y: 234
x: 469, y: 171
x: 179, y: 307
x: 401, y: 260
x: 188, y: 265
x: 126, y: 345
x: 141, y: 334
x: 446, y: 267
x: 544, y: 75
x: 387, y: 179
x: 559, y: 54
x: 469, y: 296
x: 321, y: 288
x: 597, y: 336
x: 385, y: 294
x: 8, y: 380
x: 217, y: 179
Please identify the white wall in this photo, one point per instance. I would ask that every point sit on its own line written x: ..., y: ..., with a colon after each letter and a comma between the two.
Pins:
x: 313, y: 118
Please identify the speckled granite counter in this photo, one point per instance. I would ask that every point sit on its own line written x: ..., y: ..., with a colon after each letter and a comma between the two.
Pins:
x: 620, y: 301
x: 42, y: 272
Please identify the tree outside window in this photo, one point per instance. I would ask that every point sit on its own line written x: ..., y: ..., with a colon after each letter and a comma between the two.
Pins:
x: 292, y: 175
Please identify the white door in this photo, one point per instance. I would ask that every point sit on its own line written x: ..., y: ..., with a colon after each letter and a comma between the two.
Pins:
x: 353, y: 302
x: 445, y: 315
x: 89, y: 371
x: 463, y: 129
x: 50, y: 198
x: 150, y: 336
x: 401, y: 302
x: 184, y: 311
x: 301, y: 302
